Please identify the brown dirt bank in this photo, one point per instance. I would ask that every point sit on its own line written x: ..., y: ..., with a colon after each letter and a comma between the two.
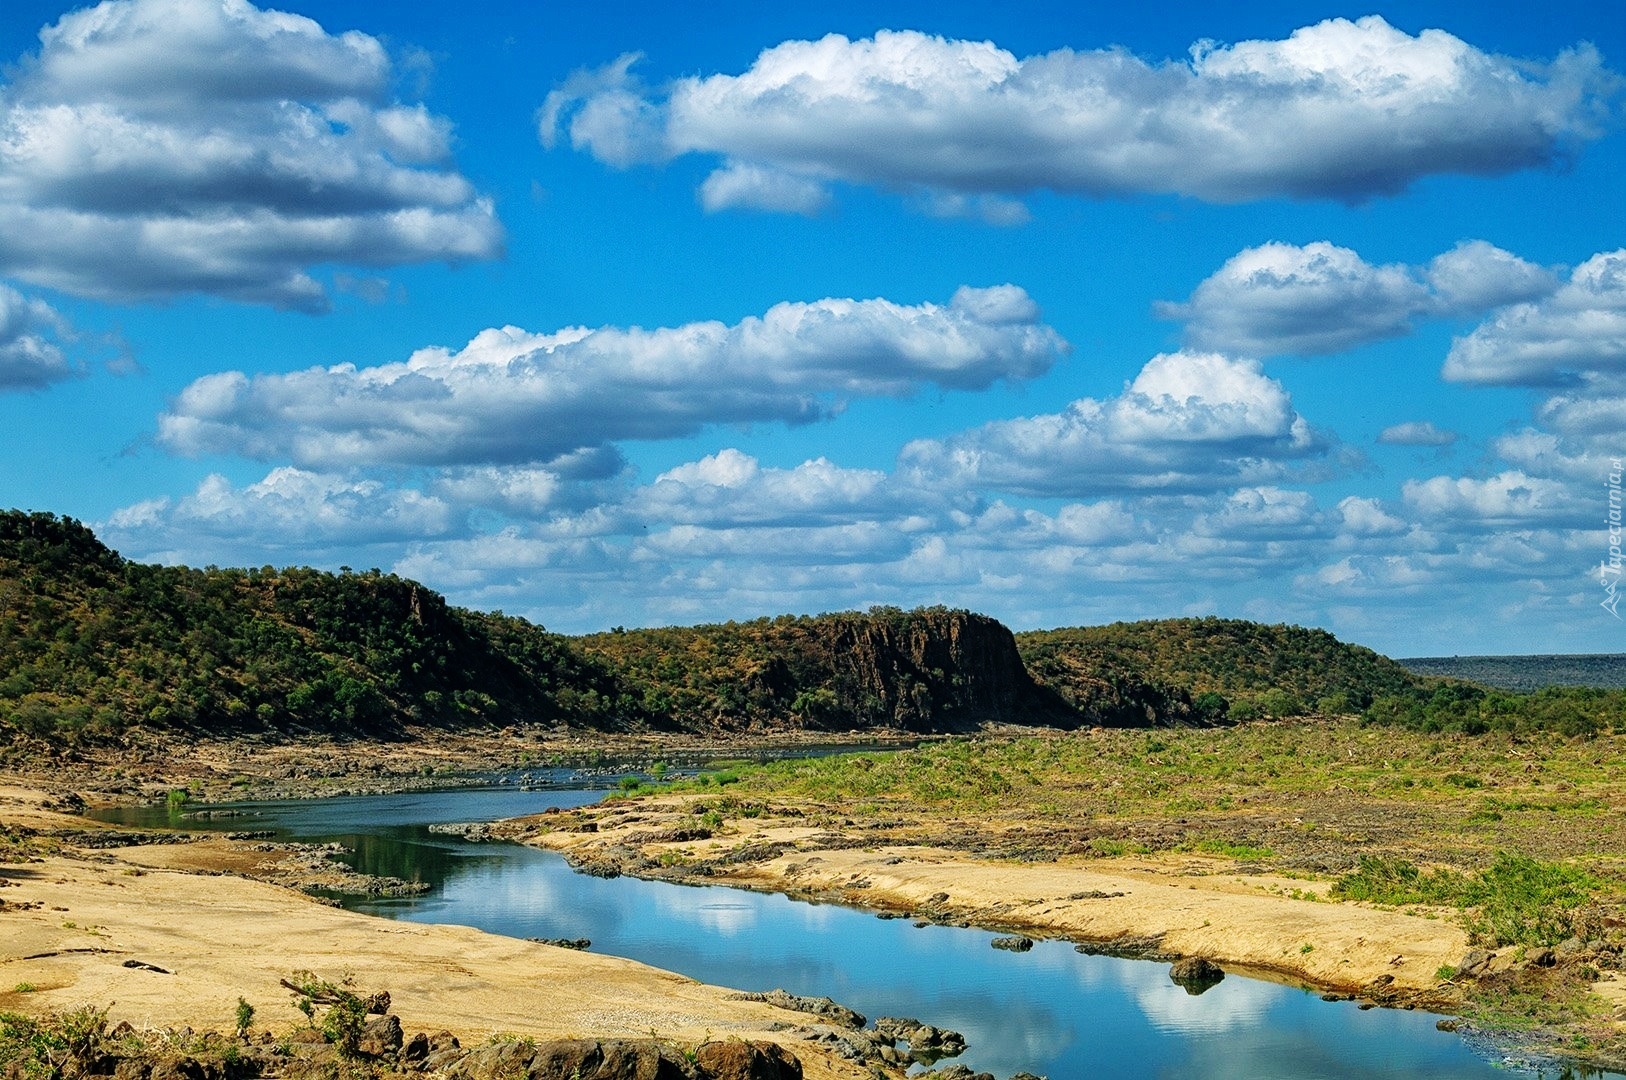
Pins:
x: 71, y: 920
x: 145, y: 766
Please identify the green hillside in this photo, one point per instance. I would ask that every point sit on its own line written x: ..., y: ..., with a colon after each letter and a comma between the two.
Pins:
x: 1226, y: 666
x: 93, y: 643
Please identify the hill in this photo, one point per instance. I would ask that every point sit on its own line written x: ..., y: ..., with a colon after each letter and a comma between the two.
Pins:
x: 1601, y: 671
x: 1225, y: 667
x: 93, y: 643
x: 931, y: 669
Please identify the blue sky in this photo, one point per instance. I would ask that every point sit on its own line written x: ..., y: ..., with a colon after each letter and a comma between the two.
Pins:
x: 660, y: 314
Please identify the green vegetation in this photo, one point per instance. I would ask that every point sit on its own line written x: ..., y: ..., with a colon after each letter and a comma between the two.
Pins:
x: 928, y: 669
x: 1517, y: 900
x: 92, y: 644
x: 244, y: 1017
x: 1475, y: 710
x: 1339, y: 798
x: 1225, y: 668
x: 38, y: 1048
x: 343, y: 1022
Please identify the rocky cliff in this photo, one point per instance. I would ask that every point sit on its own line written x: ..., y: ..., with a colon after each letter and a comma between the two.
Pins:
x: 931, y: 669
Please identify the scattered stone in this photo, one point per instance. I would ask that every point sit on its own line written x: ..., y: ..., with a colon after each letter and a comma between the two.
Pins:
x: 839, y: 1015
x: 563, y: 943
x: 474, y: 832
x: 1475, y: 963
x: 955, y: 1072
x: 925, y: 1041
x: 1133, y: 947
x: 1014, y: 943
x: 1445, y: 1025
x: 142, y: 965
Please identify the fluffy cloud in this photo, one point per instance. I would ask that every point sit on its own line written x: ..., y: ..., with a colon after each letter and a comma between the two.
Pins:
x: 513, y: 397
x: 1475, y: 276
x: 732, y: 487
x: 1265, y: 513
x: 288, y: 508
x: 1510, y: 498
x: 1341, y: 110
x: 31, y: 353
x: 1416, y: 433
x: 155, y: 148
x: 1320, y: 298
x: 1188, y: 422
x: 1578, y: 331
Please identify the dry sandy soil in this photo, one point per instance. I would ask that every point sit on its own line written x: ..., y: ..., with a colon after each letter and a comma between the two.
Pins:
x: 225, y: 936
x: 1166, y: 904
x: 71, y: 922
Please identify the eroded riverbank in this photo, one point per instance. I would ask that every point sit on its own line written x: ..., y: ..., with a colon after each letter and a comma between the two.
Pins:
x: 1001, y: 867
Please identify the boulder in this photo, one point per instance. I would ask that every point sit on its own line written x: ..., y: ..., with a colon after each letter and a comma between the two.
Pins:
x: 1014, y: 943
x: 382, y: 1037
x: 1475, y: 963
x: 416, y: 1048
x: 821, y: 1007
x: 925, y: 1041
x: 739, y: 1060
x: 1195, y: 974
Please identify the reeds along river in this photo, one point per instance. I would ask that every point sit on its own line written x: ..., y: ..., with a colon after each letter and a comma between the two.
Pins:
x: 1051, y: 1011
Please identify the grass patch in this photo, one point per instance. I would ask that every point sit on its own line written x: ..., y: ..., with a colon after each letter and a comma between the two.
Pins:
x: 1517, y: 900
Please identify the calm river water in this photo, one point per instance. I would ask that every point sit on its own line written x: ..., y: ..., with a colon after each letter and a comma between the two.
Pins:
x: 1050, y: 1011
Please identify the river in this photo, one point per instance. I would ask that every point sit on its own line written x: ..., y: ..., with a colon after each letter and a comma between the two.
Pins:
x: 1051, y: 1011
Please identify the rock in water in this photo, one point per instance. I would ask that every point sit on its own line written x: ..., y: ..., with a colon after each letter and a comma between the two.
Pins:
x: 1014, y: 943
x: 1195, y: 974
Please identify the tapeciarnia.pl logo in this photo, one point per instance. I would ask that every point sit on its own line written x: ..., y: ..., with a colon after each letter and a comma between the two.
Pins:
x: 1609, y: 569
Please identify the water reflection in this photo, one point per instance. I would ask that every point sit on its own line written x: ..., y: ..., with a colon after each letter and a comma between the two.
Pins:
x: 1051, y: 1011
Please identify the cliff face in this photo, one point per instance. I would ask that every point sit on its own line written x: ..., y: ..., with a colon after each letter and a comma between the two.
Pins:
x: 926, y: 670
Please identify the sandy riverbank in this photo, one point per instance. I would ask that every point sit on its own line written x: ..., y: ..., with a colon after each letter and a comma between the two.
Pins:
x: 71, y: 921
x: 1169, y: 904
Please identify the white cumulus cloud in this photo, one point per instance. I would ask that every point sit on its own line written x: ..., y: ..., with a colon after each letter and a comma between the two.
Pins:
x: 1322, y: 298
x: 288, y: 508
x: 511, y: 396
x: 1578, y: 331
x: 1188, y: 422
x: 1510, y: 498
x: 156, y: 148
x: 31, y: 337
x: 1416, y: 433
x: 1341, y: 110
